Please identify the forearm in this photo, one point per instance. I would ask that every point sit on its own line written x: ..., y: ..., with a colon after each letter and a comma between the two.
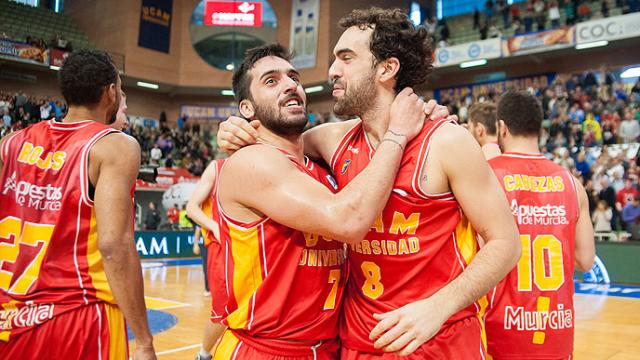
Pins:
x: 492, y: 263
x: 124, y: 274
x: 196, y: 214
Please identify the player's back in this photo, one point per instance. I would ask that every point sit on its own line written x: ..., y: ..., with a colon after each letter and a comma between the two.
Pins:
x: 531, y: 312
x: 48, y: 240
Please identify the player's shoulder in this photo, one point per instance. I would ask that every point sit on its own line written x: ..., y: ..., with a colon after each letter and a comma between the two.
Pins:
x: 450, y: 135
x: 116, y: 146
x: 256, y: 159
x: 335, y: 130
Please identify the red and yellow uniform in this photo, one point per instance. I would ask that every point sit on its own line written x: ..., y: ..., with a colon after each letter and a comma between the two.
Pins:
x: 285, y: 288
x: 419, y: 244
x: 215, y: 255
x: 531, y: 311
x: 52, y: 278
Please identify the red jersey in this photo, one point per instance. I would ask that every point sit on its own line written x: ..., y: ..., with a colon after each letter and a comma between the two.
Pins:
x: 284, y: 285
x: 625, y: 196
x: 49, y: 258
x: 418, y: 245
x: 531, y: 310
x: 173, y: 215
x: 207, y: 205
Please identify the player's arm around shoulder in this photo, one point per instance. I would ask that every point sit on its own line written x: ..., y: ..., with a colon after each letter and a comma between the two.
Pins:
x: 585, y: 250
x: 322, y: 141
x: 261, y: 179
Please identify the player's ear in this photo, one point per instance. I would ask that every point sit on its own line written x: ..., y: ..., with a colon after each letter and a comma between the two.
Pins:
x: 502, y: 128
x: 389, y: 69
x: 246, y: 109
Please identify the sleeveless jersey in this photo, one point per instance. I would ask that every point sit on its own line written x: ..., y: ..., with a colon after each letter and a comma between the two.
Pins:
x: 207, y: 205
x: 49, y: 258
x: 531, y: 310
x: 419, y: 244
x: 284, y: 286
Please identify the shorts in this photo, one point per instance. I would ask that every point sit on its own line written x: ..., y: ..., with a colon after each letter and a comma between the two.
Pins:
x: 91, y: 332
x: 461, y: 340
x: 217, y: 281
x: 232, y: 346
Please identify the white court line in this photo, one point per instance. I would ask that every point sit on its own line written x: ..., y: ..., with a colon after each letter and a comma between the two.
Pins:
x: 178, y: 349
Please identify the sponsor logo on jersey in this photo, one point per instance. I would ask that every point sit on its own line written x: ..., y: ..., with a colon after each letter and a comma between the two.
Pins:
x: 538, y: 184
x: 33, y: 155
x: 517, y: 318
x: 33, y: 196
x: 25, y: 317
x: 332, y: 181
x: 345, y: 166
x: 539, y: 214
x: 353, y: 149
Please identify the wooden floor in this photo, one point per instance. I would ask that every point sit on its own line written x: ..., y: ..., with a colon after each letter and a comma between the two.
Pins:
x: 606, y: 327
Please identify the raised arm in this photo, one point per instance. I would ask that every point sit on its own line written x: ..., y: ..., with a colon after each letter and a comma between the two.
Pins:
x: 585, y: 251
x: 114, y: 176
x: 199, y: 196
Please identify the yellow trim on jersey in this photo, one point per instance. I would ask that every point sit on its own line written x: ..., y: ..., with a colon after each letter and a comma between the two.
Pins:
x: 247, y: 272
x: 226, y: 347
x: 466, y: 240
x: 117, y: 333
x: 483, y: 303
x: 11, y: 305
x: 207, y: 209
x: 96, y: 266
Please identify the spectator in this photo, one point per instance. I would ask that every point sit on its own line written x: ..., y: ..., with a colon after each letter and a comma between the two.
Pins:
x: 45, y: 110
x: 444, y: 31
x: 515, y: 13
x: 488, y: 10
x: 584, y: 12
x: 494, y: 32
x: 631, y: 217
x: 601, y: 217
x: 629, y: 128
x: 184, y: 221
x: 539, y: 8
x: 503, y: 9
x: 528, y: 17
x: 152, y: 220
x: 609, y: 196
x: 173, y: 216
x: 156, y: 155
x: 484, y: 30
x: 569, y: 12
x: 554, y: 14
x: 604, y: 8
x: 626, y: 194
x: 476, y: 19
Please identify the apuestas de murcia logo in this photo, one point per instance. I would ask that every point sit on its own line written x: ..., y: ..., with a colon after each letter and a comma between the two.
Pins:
x: 33, y: 196
x: 539, y: 214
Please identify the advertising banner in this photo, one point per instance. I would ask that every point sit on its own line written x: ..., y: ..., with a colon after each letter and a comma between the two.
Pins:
x: 303, y: 38
x: 612, y: 28
x: 202, y: 112
x: 497, y: 87
x: 24, y: 51
x: 233, y: 13
x: 166, y: 178
x: 155, y: 25
x: 57, y: 56
x: 537, y: 42
x: 164, y: 244
x: 453, y: 55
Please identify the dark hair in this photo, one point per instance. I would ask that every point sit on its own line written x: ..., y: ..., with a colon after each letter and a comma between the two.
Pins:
x: 394, y: 35
x: 521, y: 112
x: 84, y: 75
x: 242, y: 79
x: 485, y: 114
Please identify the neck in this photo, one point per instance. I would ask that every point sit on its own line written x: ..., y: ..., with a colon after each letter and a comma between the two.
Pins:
x: 376, y: 120
x: 82, y: 113
x: 290, y: 143
x: 522, y: 144
x: 489, y: 139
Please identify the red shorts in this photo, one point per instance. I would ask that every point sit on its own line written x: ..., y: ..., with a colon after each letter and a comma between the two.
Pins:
x: 232, y: 347
x: 461, y: 340
x: 217, y: 281
x: 96, y: 331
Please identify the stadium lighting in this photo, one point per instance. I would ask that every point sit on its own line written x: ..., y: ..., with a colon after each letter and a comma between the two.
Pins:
x: 230, y: 67
x: 593, y: 44
x: 473, y: 63
x: 53, y: 67
x: 148, y: 85
x: 314, y: 89
x: 631, y: 73
x: 227, y: 92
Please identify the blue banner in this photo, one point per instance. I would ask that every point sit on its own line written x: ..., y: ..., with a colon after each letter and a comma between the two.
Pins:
x: 155, y: 24
x: 164, y: 244
x: 497, y: 87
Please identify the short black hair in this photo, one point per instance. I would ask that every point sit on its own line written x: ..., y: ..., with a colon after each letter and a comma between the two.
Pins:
x: 484, y: 113
x: 521, y: 112
x: 84, y: 75
x: 394, y: 35
x: 241, y: 79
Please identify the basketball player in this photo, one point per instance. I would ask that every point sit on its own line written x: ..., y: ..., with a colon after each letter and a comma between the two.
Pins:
x: 281, y: 223
x: 121, y: 122
x: 200, y: 210
x: 418, y: 269
x: 531, y: 313
x: 67, y: 252
x: 482, y: 125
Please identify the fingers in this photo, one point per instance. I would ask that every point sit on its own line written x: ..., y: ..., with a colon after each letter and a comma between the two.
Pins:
x: 386, y: 321
x: 453, y: 118
x: 255, y: 124
x: 440, y: 111
x: 406, y: 91
x: 390, y: 336
x: 430, y: 106
x: 241, y: 129
x: 399, y: 343
x: 413, y: 346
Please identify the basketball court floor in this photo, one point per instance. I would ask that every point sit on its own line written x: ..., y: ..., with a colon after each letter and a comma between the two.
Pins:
x: 607, y: 316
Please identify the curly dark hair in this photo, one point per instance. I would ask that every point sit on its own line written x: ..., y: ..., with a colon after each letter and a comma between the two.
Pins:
x: 84, y: 76
x: 521, y: 112
x: 394, y: 35
x: 241, y: 78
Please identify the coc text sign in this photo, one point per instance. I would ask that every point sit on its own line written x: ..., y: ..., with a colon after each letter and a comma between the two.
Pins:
x: 613, y: 28
x: 453, y: 55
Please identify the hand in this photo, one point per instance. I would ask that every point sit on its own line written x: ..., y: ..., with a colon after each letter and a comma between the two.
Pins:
x: 144, y: 353
x: 196, y: 248
x: 236, y: 133
x: 405, y: 329
x: 407, y: 115
x: 435, y: 111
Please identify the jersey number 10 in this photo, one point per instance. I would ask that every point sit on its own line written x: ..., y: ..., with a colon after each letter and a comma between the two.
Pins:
x: 547, y: 268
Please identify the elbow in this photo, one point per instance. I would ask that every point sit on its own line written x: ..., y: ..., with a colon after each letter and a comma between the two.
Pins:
x: 585, y: 263
x: 350, y: 232
x: 191, y: 209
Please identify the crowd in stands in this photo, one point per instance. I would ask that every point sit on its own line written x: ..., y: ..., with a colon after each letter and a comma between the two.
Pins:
x: 591, y: 127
